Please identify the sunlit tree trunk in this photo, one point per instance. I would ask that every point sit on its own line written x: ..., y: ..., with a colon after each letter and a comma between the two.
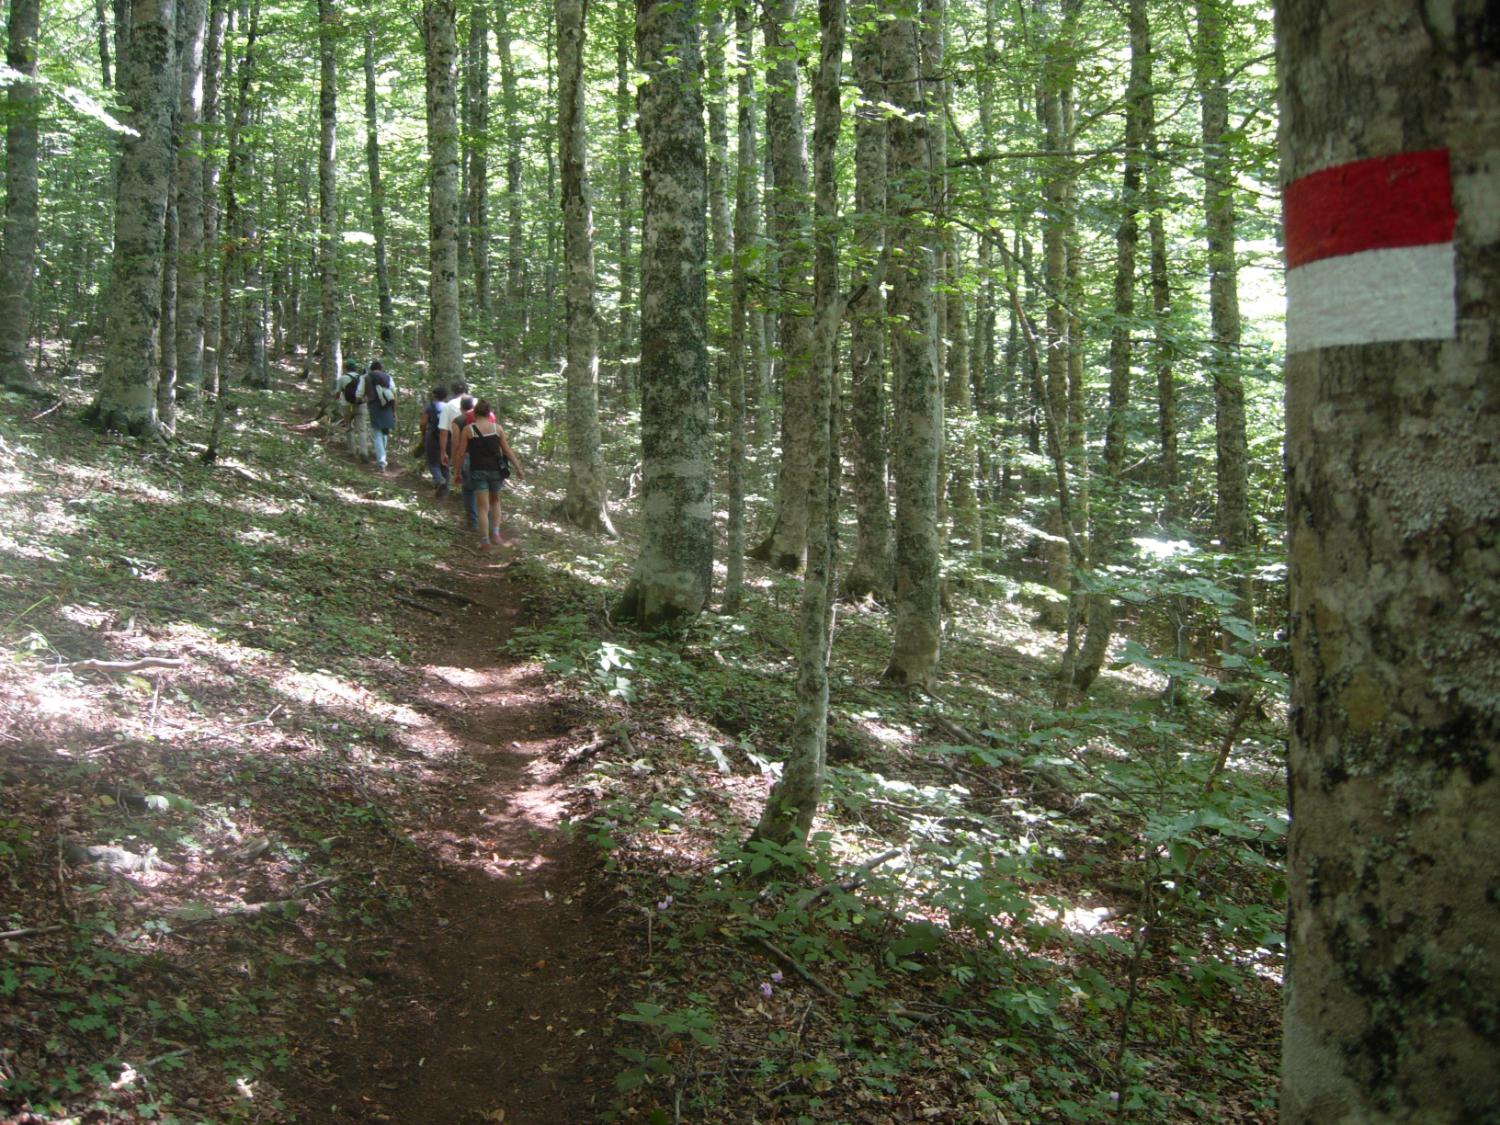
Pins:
x: 1393, y: 497
x: 193, y: 24
x: 584, y: 504
x: 127, y: 387
x: 793, y: 802
x: 442, y: 146
x: 674, y: 572
x: 1101, y: 611
x: 329, y: 330
x: 18, y: 263
x: 871, y: 572
x: 377, y: 200
x: 786, y: 544
x: 917, y: 398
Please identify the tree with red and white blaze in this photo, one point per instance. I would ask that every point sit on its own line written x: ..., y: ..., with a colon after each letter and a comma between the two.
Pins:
x: 1391, y: 165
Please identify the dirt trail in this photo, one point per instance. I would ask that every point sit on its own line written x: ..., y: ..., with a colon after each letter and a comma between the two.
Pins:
x: 494, y: 1000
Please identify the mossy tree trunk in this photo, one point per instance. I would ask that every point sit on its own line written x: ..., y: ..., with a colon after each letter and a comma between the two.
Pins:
x: 871, y: 573
x: 328, y: 197
x: 674, y: 572
x: 793, y: 802
x: 442, y: 147
x: 127, y: 389
x: 19, y: 260
x: 583, y: 506
x: 1393, y: 493
x: 917, y: 395
x: 785, y: 547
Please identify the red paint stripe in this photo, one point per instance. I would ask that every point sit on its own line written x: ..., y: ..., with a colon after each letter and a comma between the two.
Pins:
x: 1379, y: 204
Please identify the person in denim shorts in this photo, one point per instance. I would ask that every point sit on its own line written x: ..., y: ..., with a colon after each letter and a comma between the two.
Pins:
x: 491, y: 461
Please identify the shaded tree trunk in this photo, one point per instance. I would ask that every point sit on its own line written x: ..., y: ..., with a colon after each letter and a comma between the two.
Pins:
x: 329, y: 330
x: 871, y: 573
x: 477, y: 208
x: 19, y: 261
x: 1101, y: 606
x: 1232, y: 452
x: 786, y: 545
x: 917, y: 396
x: 213, y: 54
x: 793, y: 801
x: 1393, y: 496
x: 746, y: 164
x: 193, y: 25
x: 127, y: 388
x: 377, y: 201
x: 674, y: 572
x: 515, y: 318
x: 624, y: 202
x: 442, y: 145
x: 583, y: 505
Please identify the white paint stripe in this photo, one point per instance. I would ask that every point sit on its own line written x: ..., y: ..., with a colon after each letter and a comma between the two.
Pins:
x: 1372, y: 297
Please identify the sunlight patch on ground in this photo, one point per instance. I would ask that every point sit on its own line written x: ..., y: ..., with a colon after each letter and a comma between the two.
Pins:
x: 480, y: 680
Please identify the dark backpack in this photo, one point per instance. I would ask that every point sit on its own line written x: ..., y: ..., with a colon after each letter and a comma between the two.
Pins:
x: 350, y: 389
x: 379, y: 389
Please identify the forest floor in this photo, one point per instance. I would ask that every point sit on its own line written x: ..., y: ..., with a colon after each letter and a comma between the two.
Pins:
x: 357, y: 824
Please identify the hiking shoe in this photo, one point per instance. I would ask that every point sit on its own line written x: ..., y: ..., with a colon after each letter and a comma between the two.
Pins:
x: 442, y: 492
x: 495, y: 536
x: 484, y: 546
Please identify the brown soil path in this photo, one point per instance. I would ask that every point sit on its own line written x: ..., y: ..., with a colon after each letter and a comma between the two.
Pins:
x: 494, y: 1001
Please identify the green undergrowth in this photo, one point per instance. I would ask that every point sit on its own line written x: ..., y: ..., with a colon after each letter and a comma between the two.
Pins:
x: 1075, y: 910
x: 246, y: 795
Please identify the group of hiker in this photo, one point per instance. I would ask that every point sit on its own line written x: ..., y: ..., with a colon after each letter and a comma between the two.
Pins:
x: 461, y: 440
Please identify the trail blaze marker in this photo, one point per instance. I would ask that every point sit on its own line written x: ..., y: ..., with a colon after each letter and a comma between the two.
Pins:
x: 1369, y: 252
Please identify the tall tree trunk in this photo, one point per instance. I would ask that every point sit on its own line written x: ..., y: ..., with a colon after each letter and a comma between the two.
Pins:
x: 192, y: 19
x: 624, y: 201
x: 478, y: 207
x: 746, y: 164
x: 377, y: 200
x: 166, y: 344
x: 786, y: 544
x: 101, y: 32
x: 583, y: 505
x: 917, y: 397
x: 720, y: 243
x: 213, y: 255
x: 1163, y: 348
x: 793, y: 801
x: 1101, y: 609
x: 1393, y: 496
x: 329, y: 330
x: 127, y: 388
x: 674, y: 572
x: 549, y: 283
x: 872, y: 571
x: 514, y: 323
x: 442, y: 144
x: 19, y: 261
x: 1232, y: 452
x: 1058, y: 190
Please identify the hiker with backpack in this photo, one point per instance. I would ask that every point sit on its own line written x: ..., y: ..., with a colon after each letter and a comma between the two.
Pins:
x: 490, y: 461
x: 379, y: 392
x: 432, y: 440
x: 349, y: 398
x: 458, y: 467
